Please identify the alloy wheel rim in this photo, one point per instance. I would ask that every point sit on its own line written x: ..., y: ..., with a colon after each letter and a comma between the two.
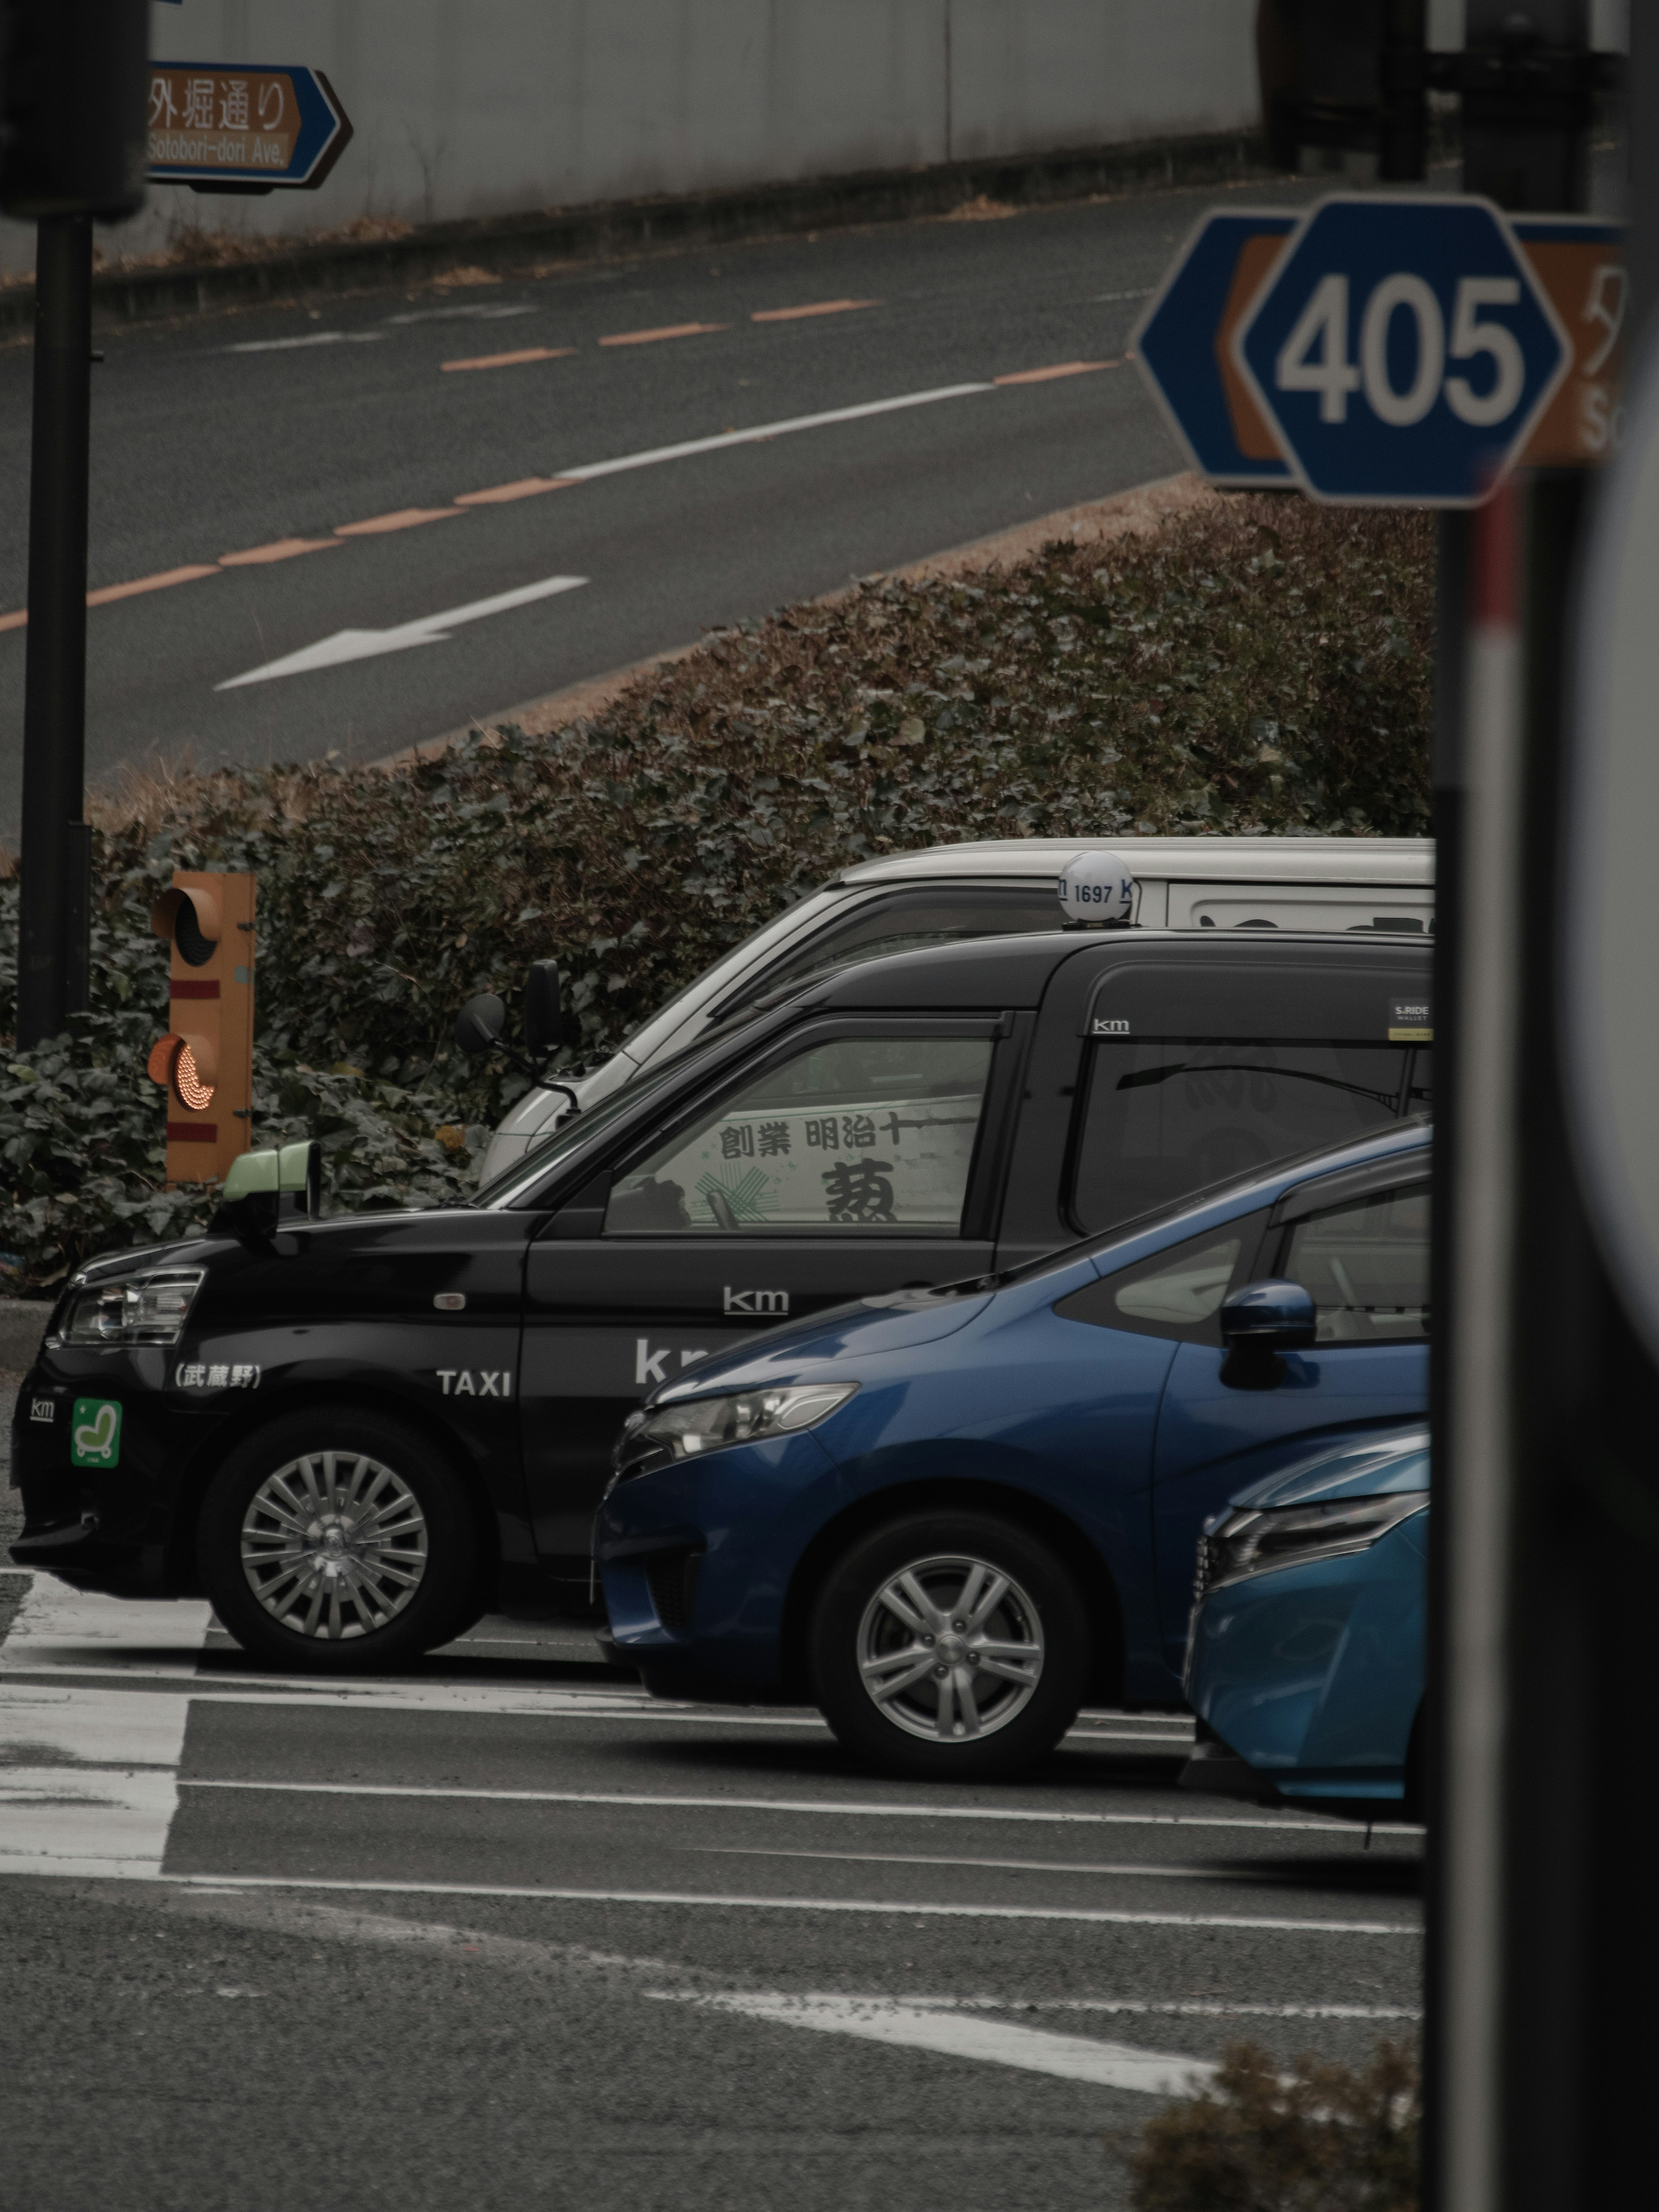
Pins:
x: 950, y: 1648
x: 334, y: 1545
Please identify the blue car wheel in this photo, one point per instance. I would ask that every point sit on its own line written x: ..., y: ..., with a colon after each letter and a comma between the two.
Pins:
x: 950, y: 1646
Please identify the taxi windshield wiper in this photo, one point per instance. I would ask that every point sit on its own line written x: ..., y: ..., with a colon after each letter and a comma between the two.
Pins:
x: 1142, y: 1076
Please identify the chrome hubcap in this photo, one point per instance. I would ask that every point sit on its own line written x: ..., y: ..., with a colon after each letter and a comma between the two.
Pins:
x: 334, y: 1545
x: 950, y: 1648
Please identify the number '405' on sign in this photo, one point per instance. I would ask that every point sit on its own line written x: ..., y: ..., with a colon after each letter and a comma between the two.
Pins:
x: 1401, y: 349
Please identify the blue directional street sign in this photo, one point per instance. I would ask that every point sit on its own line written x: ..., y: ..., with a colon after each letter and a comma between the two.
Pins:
x: 243, y: 129
x: 1181, y: 339
x: 1403, y: 348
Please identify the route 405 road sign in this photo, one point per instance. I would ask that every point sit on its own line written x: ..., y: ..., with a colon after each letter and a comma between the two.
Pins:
x: 1386, y: 348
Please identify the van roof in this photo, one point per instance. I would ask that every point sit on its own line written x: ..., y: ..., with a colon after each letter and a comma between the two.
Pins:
x: 1366, y: 861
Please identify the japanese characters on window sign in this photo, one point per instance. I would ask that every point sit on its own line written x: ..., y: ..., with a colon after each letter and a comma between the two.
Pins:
x: 880, y: 1162
x: 250, y: 126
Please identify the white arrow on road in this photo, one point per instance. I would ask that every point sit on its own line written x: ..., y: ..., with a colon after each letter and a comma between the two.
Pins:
x: 431, y: 630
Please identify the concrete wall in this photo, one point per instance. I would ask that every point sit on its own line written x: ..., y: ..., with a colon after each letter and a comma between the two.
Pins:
x: 480, y: 107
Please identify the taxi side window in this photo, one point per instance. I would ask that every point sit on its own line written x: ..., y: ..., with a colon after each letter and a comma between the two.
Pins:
x: 854, y: 1134
x: 1366, y: 1267
x: 1165, y: 1116
x: 1175, y: 1294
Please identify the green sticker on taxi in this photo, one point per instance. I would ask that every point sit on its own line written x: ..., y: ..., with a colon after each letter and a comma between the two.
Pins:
x: 95, y: 1433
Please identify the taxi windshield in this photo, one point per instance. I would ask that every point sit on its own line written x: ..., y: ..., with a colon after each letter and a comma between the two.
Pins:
x: 571, y: 1133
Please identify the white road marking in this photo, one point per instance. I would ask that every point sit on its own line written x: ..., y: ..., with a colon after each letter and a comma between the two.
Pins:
x: 90, y: 1727
x: 1089, y: 1916
x: 1179, y: 2011
x: 56, y: 1626
x: 1150, y: 1871
x: 98, y: 1821
x: 998, y: 2042
x: 430, y: 629
x: 460, y: 315
x: 311, y: 338
x: 816, y: 1807
x: 688, y: 447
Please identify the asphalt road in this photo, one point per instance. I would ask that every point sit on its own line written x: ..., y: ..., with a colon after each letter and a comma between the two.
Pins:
x: 505, y: 1931
x: 258, y: 438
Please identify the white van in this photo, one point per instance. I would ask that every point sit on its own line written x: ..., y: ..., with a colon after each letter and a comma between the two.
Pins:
x: 998, y: 887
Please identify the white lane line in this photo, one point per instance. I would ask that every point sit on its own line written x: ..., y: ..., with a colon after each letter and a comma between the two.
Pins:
x: 57, y: 1625
x: 430, y: 629
x: 1137, y: 1869
x: 816, y: 1807
x: 1177, y: 2011
x: 460, y: 315
x: 1089, y: 1916
x: 311, y: 338
x: 997, y: 2043
x: 690, y: 447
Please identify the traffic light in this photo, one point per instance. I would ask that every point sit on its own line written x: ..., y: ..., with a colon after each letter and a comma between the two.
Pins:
x: 205, y: 1061
x: 74, y: 84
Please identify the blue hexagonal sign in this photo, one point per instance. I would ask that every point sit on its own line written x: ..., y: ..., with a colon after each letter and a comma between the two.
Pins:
x: 1401, y: 349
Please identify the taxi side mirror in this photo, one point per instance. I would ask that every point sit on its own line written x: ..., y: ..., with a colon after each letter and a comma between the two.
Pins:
x: 543, y: 1009
x: 480, y: 1024
x: 264, y: 1190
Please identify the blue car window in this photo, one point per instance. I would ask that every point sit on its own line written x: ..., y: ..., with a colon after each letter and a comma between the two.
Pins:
x: 1177, y: 1293
x: 855, y: 1135
x: 1366, y: 1267
x: 1166, y: 1116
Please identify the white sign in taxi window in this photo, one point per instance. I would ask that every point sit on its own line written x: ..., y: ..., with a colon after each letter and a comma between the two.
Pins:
x: 820, y: 1153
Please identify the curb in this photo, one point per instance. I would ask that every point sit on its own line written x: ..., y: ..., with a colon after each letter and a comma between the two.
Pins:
x: 620, y: 227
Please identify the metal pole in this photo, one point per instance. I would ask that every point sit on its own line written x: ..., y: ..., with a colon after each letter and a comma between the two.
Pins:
x: 55, y: 679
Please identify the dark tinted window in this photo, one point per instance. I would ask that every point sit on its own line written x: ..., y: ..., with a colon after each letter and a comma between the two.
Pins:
x: 1165, y: 1116
x: 907, y: 922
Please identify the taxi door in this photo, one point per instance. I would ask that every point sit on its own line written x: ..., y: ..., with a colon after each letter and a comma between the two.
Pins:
x: 856, y: 1155
x: 1365, y: 1260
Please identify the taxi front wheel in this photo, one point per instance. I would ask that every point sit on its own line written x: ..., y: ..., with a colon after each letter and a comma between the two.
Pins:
x: 950, y: 1646
x: 338, y: 1543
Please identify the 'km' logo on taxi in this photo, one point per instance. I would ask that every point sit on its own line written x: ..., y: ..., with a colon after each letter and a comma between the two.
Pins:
x: 753, y: 1302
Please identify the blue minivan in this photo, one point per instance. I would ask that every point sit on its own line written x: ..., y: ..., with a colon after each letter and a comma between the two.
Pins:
x: 951, y: 1516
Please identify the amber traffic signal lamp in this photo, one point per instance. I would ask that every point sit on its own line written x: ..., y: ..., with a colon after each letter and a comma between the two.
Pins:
x: 205, y: 1062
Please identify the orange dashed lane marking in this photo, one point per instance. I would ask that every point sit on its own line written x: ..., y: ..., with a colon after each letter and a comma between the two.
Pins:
x: 1061, y: 368
x: 405, y: 518
x: 817, y: 307
x: 409, y: 518
x: 163, y: 581
x: 526, y: 487
x: 280, y: 548
x: 512, y: 360
x: 672, y: 331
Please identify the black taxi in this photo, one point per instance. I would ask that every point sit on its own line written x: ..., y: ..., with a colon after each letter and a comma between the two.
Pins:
x: 357, y: 1433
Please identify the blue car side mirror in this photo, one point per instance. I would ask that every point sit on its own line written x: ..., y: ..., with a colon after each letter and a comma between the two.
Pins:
x: 1270, y: 1315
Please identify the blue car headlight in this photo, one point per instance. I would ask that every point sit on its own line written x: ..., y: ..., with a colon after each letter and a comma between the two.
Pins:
x: 706, y: 1425
x: 1256, y: 1540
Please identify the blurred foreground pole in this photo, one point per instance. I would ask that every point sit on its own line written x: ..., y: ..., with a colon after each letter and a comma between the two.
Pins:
x: 73, y: 90
x: 1542, y: 1932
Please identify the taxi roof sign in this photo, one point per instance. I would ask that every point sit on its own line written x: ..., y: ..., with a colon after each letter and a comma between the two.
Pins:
x: 1097, y: 887
x: 251, y: 129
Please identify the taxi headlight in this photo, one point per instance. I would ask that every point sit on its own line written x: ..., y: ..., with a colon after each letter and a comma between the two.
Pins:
x: 1257, y: 1540
x: 135, y: 1309
x: 706, y: 1425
